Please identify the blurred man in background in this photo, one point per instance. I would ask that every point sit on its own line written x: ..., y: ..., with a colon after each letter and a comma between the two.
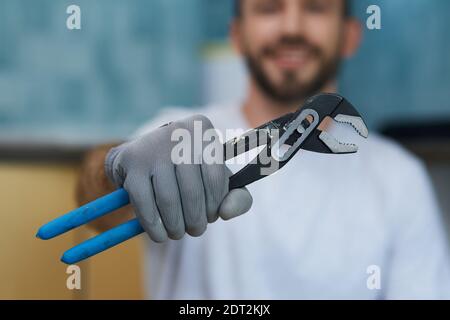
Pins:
x: 317, y: 227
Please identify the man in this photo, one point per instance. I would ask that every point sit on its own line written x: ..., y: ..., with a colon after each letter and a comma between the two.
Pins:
x: 317, y: 228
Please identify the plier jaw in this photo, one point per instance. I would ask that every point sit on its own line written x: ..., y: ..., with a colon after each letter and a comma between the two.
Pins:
x: 299, y: 130
x: 340, y: 110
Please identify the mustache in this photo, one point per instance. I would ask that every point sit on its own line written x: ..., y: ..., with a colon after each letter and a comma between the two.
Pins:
x: 290, y: 42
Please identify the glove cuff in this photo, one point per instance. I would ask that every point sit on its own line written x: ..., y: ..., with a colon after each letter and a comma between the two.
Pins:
x: 109, y: 162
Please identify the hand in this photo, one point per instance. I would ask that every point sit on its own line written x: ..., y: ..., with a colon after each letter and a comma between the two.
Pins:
x: 171, y: 198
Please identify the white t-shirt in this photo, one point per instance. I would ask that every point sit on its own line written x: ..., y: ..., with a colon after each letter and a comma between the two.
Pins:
x: 360, y: 226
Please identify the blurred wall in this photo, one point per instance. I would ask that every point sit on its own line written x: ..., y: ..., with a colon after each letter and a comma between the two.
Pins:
x: 32, y: 194
x: 100, y: 82
x: 402, y: 72
x: 132, y: 58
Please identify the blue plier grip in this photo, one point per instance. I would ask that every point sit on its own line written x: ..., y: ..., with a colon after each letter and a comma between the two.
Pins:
x: 85, y: 214
x: 103, y: 241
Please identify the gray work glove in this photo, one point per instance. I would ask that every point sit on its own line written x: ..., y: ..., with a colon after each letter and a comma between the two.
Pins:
x: 171, y: 199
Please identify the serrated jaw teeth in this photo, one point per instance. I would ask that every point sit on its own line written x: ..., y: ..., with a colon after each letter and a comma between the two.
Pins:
x: 356, y: 122
x: 335, y: 146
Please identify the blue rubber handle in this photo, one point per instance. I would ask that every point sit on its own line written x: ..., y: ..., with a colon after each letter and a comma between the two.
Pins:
x: 102, y: 242
x: 84, y: 214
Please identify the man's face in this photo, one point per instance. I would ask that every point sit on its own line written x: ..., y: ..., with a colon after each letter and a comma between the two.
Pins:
x: 292, y: 47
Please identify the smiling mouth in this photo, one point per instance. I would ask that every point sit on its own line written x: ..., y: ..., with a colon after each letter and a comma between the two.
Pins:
x: 291, y: 58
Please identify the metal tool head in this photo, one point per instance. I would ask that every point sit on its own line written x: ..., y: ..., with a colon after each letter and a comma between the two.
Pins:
x: 341, y: 111
x: 295, y: 131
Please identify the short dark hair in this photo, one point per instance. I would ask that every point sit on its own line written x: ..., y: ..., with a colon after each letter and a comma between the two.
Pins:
x: 237, y: 8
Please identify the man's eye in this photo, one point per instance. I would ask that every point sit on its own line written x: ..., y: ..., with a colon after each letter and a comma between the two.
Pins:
x: 316, y: 6
x: 267, y: 7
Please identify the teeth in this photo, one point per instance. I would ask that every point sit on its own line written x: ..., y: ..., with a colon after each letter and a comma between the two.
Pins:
x: 356, y: 122
x: 293, y: 55
x: 336, y: 146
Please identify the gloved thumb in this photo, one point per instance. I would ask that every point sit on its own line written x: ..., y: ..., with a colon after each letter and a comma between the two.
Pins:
x: 236, y: 203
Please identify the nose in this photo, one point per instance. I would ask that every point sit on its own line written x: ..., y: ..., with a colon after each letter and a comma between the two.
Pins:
x: 293, y: 22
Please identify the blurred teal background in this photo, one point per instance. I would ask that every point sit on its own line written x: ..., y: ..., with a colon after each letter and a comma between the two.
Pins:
x: 131, y: 58
x: 402, y: 72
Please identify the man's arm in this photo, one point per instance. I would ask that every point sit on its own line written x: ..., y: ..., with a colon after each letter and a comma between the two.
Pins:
x: 93, y: 183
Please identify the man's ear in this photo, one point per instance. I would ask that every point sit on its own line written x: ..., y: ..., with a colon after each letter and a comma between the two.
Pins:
x: 235, y: 35
x: 352, y: 37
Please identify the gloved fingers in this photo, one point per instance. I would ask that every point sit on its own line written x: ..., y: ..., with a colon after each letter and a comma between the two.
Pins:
x: 193, y: 199
x: 236, y: 202
x: 213, y: 175
x: 168, y: 200
x: 142, y: 199
x: 215, y: 181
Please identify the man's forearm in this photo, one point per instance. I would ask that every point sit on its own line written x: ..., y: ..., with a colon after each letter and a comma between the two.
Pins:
x: 93, y: 183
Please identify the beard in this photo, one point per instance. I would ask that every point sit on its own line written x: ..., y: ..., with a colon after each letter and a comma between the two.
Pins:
x: 292, y: 90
